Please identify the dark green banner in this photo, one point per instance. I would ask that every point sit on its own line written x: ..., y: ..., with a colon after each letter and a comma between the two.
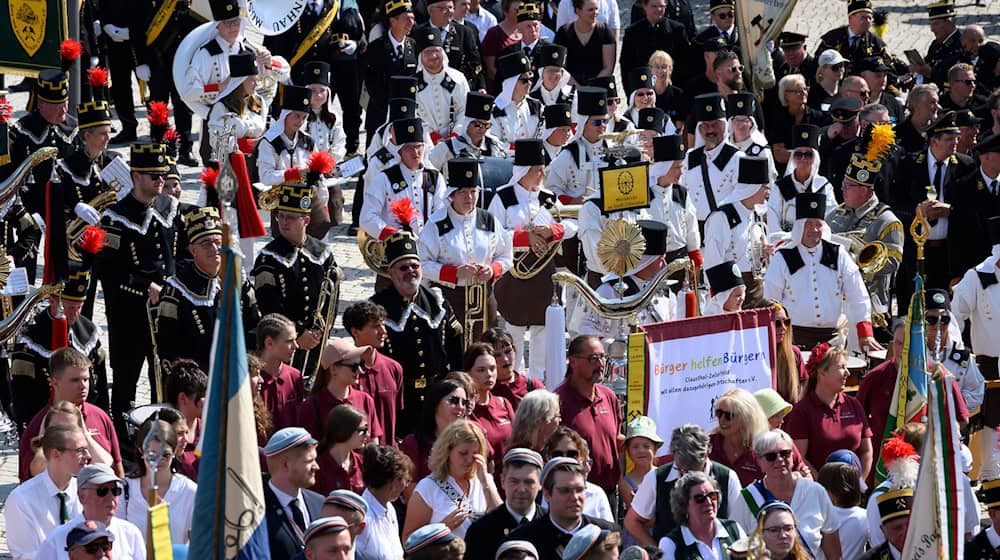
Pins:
x: 30, y: 34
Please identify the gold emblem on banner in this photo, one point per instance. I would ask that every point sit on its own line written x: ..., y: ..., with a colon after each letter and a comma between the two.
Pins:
x: 27, y: 19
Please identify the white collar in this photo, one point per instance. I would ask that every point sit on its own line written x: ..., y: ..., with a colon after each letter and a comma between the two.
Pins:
x: 394, y: 42
x: 992, y: 537
x: 529, y: 46
x: 559, y: 527
x: 931, y: 160
x: 50, y: 485
x: 987, y: 177
x: 285, y: 499
x: 518, y: 517
x: 459, y: 218
x: 690, y: 539
x: 375, y: 507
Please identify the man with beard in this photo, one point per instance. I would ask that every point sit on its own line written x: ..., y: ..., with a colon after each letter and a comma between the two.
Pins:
x: 728, y: 80
x: 290, y: 507
x: 712, y: 166
x: 381, y: 376
x: 520, y: 480
x: 423, y: 334
x: 922, y: 103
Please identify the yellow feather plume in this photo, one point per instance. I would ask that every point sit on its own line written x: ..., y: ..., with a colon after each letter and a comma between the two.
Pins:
x: 882, y: 139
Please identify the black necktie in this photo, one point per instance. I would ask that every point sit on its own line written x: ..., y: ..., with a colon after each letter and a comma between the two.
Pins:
x: 399, y: 52
x: 939, y: 166
x: 854, y: 42
x: 297, y: 514
x: 63, y: 510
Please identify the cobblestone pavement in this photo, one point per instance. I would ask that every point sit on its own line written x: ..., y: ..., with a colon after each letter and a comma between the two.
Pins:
x: 908, y: 29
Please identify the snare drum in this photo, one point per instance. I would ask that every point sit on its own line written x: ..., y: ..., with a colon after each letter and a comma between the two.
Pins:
x: 857, y: 367
x: 135, y: 417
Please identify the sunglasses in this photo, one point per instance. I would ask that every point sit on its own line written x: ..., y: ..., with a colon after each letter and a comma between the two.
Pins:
x: 103, y: 491
x: 935, y: 319
x: 614, y: 100
x: 772, y: 456
x: 408, y: 267
x: 643, y: 93
x: 599, y: 122
x: 571, y: 453
x: 724, y: 415
x: 156, y: 176
x: 786, y: 322
x: 702, y: 498
x: 803, y: 155
x: 95, y: 547
x: 357, y: 366
x: 725, y: 15
x: 738, y: 69
x: 458, y: 401
x: 966, y: 82
x: 482, y: 124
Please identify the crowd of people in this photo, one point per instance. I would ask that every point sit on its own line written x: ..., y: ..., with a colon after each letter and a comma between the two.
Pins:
x: 435, y: 426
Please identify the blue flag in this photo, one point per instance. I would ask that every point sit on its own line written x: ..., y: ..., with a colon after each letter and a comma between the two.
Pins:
x: 229, y: 508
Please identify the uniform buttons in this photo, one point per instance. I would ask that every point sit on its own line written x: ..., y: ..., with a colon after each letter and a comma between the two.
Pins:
x: 416, y: 328
x: 307, y: 297
x: 422, y: 365
x: 420, y: 341
x: 420, y: 352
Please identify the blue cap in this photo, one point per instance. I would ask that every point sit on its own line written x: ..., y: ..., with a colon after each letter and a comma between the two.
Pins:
x: 435, y: 533
x: 517, y: 546
x: 324, y: 525
x: 583, y: 540
x: 88, y: 532
x: 634, y: 552
x: 523, y: 455
x: 347, y: 500
x: 287, y: 438
x: 553, y: 464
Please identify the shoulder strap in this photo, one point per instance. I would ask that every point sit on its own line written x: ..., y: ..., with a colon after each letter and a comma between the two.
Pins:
x: 987, y: 279
x: 508, y: 197
x: 787, y: 188
x: 727, y: 153
x: 396, y: 181
x: 732, y: 215
x: 830, y: 253
x: 484, y: 220
x: 793, y: 259
x: 679, y: 194
x: 574, y: 150
x: 445, y: 225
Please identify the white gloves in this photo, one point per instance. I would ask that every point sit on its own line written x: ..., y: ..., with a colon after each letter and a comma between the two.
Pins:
x: 349, y: 47
x: 117, y: 34
x: 87, y: 213
x: 143, y: 72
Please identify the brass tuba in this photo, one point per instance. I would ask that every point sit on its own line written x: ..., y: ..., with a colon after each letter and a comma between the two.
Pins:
x: 372, y: 252
x: 627, y: 307
x: 11, y: 324
x: 10, y: 186
x: 527, y: 264
x: 75, y: 227
x: 871, y: 257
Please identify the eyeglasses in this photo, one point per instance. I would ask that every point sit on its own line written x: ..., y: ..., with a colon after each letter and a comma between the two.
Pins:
x: 458, y: 401
x: 95, y: 547
x: 482, y: 124
x: 702, y: 498
x: 786, y: 322
x: 80, y: 451
x: 864, y: 94
x: 363, y: 430
x: 780, y: 530
x: 408, y: 267
x: 803, y: 155
x: 593, y: 357
x: 233, y: 22
x: 571, y: 453
x: 103, y: 491
x: 797, y: 91
x: 725, y: 15
x: 614, y: 100
x: 599, y: 122
x: 209, y: 243
x: 934, y: 319
x: 772, y: 456
x: 966, y: 82
x: 724, y: 414
x: 357, y: 366
x: 643, y: 93
x: 156, y: 176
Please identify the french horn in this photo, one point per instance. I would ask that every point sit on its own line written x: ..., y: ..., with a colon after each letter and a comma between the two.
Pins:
x: 527, y: 264
x: 372, y: 252
x: 76, y: 226
x: 11, y: 324
x: 10, y: 186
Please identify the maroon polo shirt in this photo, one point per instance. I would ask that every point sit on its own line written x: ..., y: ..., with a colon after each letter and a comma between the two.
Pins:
x: 314, y: 410
x: 383, y: 381
x: 496, y: 419
x: 515, y: 390
x: 331, y: 476
x: 828, y: 429
x: 282, y: 395
x: 418, y: 454
x: 746, y: 465
x: 97, y: 421
x: 598, y: 423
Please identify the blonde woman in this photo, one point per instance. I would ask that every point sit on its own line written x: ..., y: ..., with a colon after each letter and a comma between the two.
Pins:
x: 669, y: 97
x: 740, y: 418
x: 459, y: 489
x: 777, y: 533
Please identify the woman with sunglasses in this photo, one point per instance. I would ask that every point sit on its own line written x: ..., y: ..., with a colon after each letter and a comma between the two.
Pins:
x: 818, y: 525
x: 802, y: 175
x: 777, y: 533
x: 739, y: 419
x: 335, y: 384
x: 516, y: 115
x: 793, y: 95
x: 641, y: 85
x: 459, y: 488
x: 173, y: 488
x: 493, y: 414
x: 471, y: 136
x: 444, y: 402
x: 338, y: 454
x: 829, y: 73
x: 694, y: 503
x: 566, y: 442
x: 591, y: 45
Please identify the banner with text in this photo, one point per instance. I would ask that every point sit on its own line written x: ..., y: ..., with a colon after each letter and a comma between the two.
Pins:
x: 691, y: 362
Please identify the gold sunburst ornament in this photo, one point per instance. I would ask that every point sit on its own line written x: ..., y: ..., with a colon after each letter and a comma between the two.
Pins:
x: 620, y: 247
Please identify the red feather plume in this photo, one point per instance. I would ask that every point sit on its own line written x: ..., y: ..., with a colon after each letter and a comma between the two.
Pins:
x: 70, y: 50
x: 403, y: 210
x: 92, y: 240
x: 896, y: 448
x: 321, y: 162
x: 208, y: 177
x: 97, y: 76
x: 171, y: 135
x: 158, y: 113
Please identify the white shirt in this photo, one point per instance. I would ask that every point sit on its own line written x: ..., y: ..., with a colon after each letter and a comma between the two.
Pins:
x: 464, y: 244
x: 441, y: 505
x: 271, y: 165
x: 723, y: 181
x: 681, y: 220
x: 32, y: 511
x: 380, y: 538
x: 327, y: 138
x: 816, y: 295
x: 781, y: 212
x: 248, y: 125
x: 483, y: 20
x: 813, y: 509
x: 517, y: 122
x: 527, y: 212
x: 644, y: 501
x: 595, y: 504
x: 129, y: 542
x: 206, y: 75
x: 439, y: 108
x: 970, y: 380
x: 853, y: 531
x: 567, y: 178
x: 714, y: 553
x: 376, y: 214
x: 180, y: 496
x: 286, y: 502
x: 940, y: 229
x: 607, y: 14
x: 724, y: 243
x: 981, y: 306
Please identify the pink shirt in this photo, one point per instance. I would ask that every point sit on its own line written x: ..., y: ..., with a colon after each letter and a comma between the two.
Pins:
x: 383, y: 381
x: 598, y: 422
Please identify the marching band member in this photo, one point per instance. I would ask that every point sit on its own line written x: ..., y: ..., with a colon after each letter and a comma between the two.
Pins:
x: 471, y: 137
x: 727, y: 292
x: 643, y: 96
x: 736, y: 232
x: 79, y: 172
x: 387, y: 151
x: 441, y: 90
x: 291, y: 273
x: 744, y: 131
x: 516, y: 115
x: 463, y: 245
x: 571, y: 173
x: 400, y: 88
x: 951, y: 351
x: 524, y: 206
x: 238, y: 104
x: 649, y: 124
x: 558, y: 130
x: 460, y: 43
x: 406, y: 179
x: 671, y: 204
x: 324, y: 127
x: 390, y: 55
x: 552, y: 86
x: 862, y: 211
x: 802, y: 176
x: 138, y: 255
x: 711, y: 165
x: 816, y: 280
x: 662, y: 307
x: 977, y: 298
x: 616, y: 122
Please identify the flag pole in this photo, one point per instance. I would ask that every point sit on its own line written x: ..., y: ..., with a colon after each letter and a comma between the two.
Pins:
x: 228, y: 260
x: 920, y: 230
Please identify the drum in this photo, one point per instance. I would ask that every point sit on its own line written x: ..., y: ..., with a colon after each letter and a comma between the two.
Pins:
x: 495, y: 172
x: 140, y: 414
x: 857, y: 367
